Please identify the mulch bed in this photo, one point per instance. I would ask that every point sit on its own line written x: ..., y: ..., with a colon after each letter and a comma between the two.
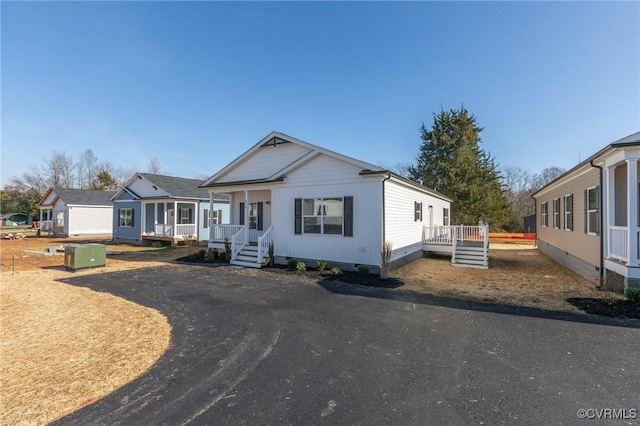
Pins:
x: 608, y: 308
x: 349, y: 277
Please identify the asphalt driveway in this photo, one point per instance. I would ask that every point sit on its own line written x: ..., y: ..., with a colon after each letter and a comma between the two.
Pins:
x: 250, y: 347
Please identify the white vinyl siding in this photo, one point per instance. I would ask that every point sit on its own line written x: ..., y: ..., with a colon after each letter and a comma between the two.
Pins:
x: 90, y: 220
x: 401, y: 227
x: 265, y: 162
x: 362, y: 248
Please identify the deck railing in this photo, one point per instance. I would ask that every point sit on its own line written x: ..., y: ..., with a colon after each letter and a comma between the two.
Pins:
x: 446, y: 234
x: 619, y: 242
x: 264, y: 241
x: 220, y: 233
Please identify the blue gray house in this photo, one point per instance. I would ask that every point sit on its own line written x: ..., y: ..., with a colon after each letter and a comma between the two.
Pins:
x: 153, y: 207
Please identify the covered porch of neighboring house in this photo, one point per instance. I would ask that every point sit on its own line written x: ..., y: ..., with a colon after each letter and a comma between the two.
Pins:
x: 468, y: 245
x: 621, y: 222
x: 173, y: 221
x: 249, y: 233
x: 46, y: 220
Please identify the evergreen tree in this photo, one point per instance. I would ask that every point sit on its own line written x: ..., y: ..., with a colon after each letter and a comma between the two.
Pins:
x: 451, y: 161
x: 104, y: 181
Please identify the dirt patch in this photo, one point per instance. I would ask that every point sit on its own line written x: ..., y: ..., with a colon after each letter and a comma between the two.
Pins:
x: 64, y: 347
x: 518, y: 275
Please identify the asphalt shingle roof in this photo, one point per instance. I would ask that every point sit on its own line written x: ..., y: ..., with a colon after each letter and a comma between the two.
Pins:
x: 177, y: 186
x: 85, y: 197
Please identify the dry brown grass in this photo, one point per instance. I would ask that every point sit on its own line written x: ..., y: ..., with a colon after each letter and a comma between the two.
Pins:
x: 519, y: 275
x: 64, y: 347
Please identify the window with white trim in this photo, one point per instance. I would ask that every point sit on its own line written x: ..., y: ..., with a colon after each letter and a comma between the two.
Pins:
x: 126, y: 217
x: 544, y: 214
x: 214, y: 219
x: 322, y: 215
x: 556, y: 213
x: 60, y: 219
x: 185, y: 216
x: 568, y: 212
x: 445, y: 217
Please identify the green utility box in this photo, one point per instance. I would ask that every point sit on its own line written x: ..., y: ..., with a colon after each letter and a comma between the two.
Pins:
x: 85, y: 256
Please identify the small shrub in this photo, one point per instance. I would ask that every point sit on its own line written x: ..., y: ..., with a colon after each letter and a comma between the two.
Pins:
x: 223, y: 256
x: 202, y: 253
x: 301, y: 267
x: 212, y: 255
x: 292, y: 262
x: 633, y: 294
x: 336, y: 271
x: 363, y: 269
x: 321, y: 265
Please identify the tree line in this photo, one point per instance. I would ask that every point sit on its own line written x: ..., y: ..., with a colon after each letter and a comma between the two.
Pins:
x: 60, y: 170
x: 450, y: 160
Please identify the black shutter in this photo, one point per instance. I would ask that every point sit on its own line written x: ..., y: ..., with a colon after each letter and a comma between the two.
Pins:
x: 560, y: 201
x: 133, y: 215
x: 420, y: 212
x: 572, y: 213
x: 415, y: 211
x: 597, y: 210
x: 260, y: 214
x: 297, y: 222
x: 241, y: 213
x: 348, y: 216
x: 119, y: 218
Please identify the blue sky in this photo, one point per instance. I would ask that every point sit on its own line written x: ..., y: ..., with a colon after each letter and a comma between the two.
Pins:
x: 196, y: 84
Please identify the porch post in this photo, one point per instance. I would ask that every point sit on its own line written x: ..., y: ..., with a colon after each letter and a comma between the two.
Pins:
x: 632, y: 210
x: 175, y: 219
x: 210, y: 224
x: 609, y: 208
x: 246, y: 215
x: 196, y: 210
x: 40, y: 216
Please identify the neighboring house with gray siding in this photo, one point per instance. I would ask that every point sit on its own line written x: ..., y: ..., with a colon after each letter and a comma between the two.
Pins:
x: 151, y: 207
x: 588, y: 218
x: 315, y: 204
x: 65, y: 212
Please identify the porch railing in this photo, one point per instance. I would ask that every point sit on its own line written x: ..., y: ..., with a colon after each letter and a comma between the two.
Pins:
x: 619, y: 242
x: 238, y: 240
x: 220, y: 233
x: 167, y: 230
x: 264, y: 241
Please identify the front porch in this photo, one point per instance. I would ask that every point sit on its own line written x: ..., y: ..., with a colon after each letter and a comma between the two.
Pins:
x: 170, y: 221
x: 250, y: 232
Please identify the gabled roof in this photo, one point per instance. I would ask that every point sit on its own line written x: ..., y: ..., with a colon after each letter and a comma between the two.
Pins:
x: 276, y: 138
x: 627, y: 141
x: 176, y: 187
x: 80, y: 197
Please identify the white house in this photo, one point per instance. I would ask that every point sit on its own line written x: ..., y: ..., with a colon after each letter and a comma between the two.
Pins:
x: 313, y: 204
x: 66, y: 212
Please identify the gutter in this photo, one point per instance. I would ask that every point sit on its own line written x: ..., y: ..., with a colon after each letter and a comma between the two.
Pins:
x: 601, y: 221
x: 383, y: 209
